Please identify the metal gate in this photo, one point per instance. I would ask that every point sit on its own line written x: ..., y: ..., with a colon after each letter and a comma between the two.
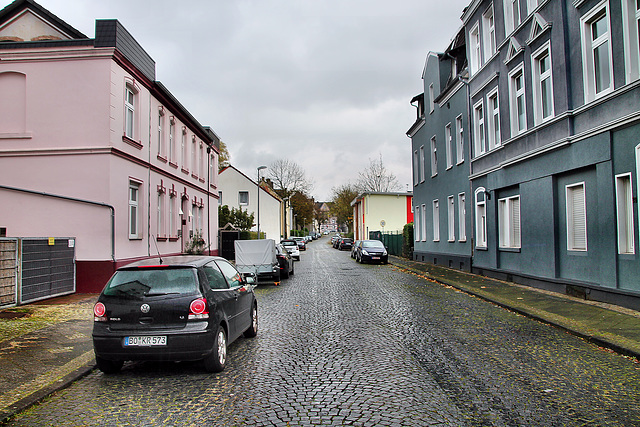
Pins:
x: 8, y: 271
x: 227, y: 246
x: 48, y: 268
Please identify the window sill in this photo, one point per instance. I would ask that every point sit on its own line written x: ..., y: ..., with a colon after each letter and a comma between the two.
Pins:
x: 193, y: 175
x: 17, y: 135
x: 131, y: 142
x: 162, y: 159
x: 481, y: 248
x: 173, y: 165
x: 185, y: 171
x: 462, y: 241
x: 161, y: 238
x: 174, y: 239
x: 505, y: 249
x: 135, y: 238
x: 201, y: 180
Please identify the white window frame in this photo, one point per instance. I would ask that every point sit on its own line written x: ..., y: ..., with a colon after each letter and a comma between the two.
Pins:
x: 514, y: 95
x: 480, y: 141
x: 475, y: 51
x: 631, y: 33
x: 423, y: 165
x: 431, y: 98
x: 434, y: 156
x: 134, y: 210
x: 539, y: 78
x: 416, y: 168
x: 172, y: 215
x: 512, y: 16
x: 183, y: 149
x: 416, y: 223
x: 489, y: 33
x: 448, y: 145
x: 130, y: 101
x: 624, y: 214
x: 459, y: 140
x: 160, y: 132
x: 509, y: 222
x: 451, y: 219
x: 493, y: 121
x: 423, y: 221
x: 589, y: 46
x: 436, y: 220
x: 576, y: 218
x: 160, y: 226
x: 172, y: 139
x: 194, y: 164
x: 240, y: 202
x: 462, y: 218
x: 481, y: 218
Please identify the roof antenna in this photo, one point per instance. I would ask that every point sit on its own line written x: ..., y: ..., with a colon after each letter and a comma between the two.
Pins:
x: 157, y: 250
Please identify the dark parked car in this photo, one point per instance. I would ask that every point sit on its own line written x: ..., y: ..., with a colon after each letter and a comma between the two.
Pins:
x: 345, y: 243
x: 372, y: 251
x: 354, y: 247
x: 302, y: 243
x: 285, y: 260
x: 179, y: 308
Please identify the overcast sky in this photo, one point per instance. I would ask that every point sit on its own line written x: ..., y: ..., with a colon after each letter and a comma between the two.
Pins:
x: 324, y: 83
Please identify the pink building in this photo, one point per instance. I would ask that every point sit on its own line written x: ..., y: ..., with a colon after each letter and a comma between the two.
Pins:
x: 93, y: 147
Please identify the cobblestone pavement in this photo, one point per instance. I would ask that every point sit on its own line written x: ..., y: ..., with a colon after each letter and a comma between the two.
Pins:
x: 347, y: 344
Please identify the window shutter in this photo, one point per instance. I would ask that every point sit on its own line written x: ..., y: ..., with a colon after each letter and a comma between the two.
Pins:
x: 578, y: 218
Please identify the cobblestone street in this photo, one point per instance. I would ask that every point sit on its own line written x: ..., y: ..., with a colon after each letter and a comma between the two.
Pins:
x: 342, y: 343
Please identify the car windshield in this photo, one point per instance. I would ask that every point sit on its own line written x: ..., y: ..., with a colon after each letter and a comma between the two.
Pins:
x: 372, y: 244
x: 151, y: 282
x: 288, y: 243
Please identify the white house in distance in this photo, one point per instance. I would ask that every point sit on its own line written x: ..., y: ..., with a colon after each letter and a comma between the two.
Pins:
x: 93, y: 147
x: 384, y: 212
x: 237, y: 190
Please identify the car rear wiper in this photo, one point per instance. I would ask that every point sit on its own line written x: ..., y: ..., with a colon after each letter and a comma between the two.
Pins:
x: 156, y: 294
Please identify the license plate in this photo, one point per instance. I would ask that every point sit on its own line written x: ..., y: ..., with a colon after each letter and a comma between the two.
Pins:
x: 375, y: 257
x: 145, y: 341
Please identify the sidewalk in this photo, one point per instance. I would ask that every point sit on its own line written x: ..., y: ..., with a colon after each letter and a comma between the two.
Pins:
x: 606, y: 325
x: 44, y: 347
x: 51, y: 345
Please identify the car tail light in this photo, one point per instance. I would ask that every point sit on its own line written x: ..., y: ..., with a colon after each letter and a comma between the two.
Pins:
x: 198, y: 309
x: 99, y: 311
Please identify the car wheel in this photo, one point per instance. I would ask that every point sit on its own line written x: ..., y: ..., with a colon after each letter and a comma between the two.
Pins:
x: 293, y: 266
x: 285, y: 273
x: 216, y: 360
x: 253, y: 329
x: 109, y: 366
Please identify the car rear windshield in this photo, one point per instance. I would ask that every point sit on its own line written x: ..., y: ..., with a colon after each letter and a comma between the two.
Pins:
x: 372, y: 244
x: 141, y: 282
x: 289, y: 244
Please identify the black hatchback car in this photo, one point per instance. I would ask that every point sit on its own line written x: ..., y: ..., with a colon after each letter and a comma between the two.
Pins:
x: 371, y: 251
x: 178, y: 309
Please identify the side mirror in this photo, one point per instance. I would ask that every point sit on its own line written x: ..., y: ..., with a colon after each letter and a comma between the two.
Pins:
x: 249, y: 278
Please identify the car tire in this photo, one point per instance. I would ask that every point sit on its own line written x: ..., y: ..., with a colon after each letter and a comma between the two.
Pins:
x: 109, y: 366
x: 253, y: 329
x: 285, y: 274
x: 293, y: 267
x: 216, y: 361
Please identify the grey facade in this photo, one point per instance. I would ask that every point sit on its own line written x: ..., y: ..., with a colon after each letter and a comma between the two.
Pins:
x: 440, y: 153
x: 554, y: 95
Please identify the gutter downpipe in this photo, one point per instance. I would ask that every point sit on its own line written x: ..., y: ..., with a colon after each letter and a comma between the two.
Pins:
x: 465, y: 81
x: 73, y: 199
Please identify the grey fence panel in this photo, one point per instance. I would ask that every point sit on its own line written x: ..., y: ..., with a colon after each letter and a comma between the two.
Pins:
x: 48, y: 270
x: 8, y: 272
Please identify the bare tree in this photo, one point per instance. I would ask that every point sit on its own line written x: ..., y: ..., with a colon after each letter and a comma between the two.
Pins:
x: 288, y: 177
x: 377, y: 178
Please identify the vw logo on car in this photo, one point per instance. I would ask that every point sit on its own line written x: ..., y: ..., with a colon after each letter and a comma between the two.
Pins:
x: 145, y: 308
